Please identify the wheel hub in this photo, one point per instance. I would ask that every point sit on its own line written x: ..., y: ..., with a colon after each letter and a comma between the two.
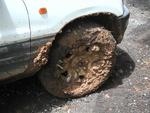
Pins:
x: 76, y: 66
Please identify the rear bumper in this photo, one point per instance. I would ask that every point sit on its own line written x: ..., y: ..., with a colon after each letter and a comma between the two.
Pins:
x: 123, y: 23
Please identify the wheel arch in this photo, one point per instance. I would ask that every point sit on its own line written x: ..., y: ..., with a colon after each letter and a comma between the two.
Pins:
x: 107, y: 20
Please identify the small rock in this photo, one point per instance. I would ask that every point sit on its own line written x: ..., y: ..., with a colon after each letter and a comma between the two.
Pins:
x: 138, y: 61
x: 110, y: 109
x: 146, y: 78
x: 107, y: 96
x: 144, y: 94
x: 147, y: 46
x: 45, y: 110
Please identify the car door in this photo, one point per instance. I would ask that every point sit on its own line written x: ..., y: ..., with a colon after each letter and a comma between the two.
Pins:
x: 14, y: 38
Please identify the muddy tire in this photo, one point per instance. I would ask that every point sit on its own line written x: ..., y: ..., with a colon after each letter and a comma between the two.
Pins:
x: 80, y: 60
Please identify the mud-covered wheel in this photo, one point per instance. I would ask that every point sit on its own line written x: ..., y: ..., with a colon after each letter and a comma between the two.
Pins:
x: 79, y: 61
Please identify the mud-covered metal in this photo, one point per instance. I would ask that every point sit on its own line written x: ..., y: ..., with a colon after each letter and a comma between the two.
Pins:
x: 81, y: 61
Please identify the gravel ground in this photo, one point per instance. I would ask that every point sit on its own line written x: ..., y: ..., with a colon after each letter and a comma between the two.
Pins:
x: 127, y: 90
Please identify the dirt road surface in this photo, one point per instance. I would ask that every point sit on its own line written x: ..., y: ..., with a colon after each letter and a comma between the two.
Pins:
x: 126, y: 91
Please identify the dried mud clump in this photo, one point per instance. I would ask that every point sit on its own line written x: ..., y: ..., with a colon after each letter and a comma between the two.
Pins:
x: 42, y: 56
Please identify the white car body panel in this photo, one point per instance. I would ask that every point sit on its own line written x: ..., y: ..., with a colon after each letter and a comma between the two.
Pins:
x: 61, y: 12
x: 14, y: 24
x: 14, y: 27
x: 21, y: 25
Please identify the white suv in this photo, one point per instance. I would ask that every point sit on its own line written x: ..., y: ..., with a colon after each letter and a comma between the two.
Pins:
x: 70, y: 42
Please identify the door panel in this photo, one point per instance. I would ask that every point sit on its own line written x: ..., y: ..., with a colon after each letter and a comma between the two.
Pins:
x: 14, y: 38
